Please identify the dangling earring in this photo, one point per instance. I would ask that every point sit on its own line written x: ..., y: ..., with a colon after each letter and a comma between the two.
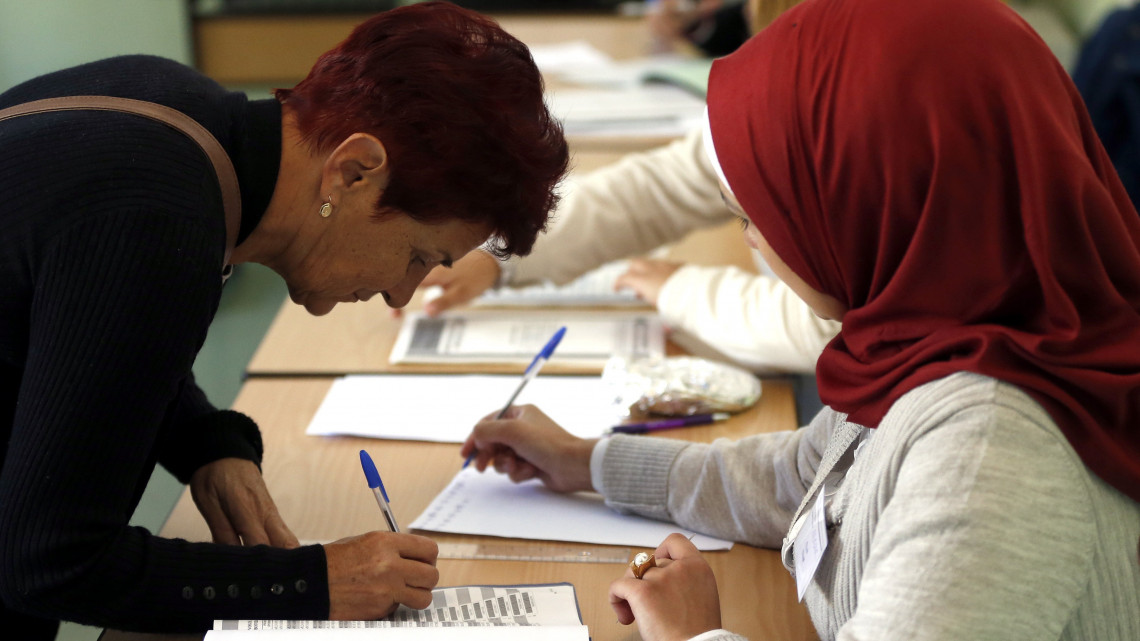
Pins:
x: 326, y: 208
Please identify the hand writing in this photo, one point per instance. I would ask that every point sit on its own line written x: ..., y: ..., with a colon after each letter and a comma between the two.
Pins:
x: 527, y: 444
x: 372, y: 574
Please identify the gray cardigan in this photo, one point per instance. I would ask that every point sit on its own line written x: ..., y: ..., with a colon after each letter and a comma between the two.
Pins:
x: 964, y: 515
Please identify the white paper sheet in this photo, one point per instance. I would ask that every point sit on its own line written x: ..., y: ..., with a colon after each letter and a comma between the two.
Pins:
x: 690, y: 74
x: 490, y: 504
x: 506, y: 336
x: 648, y: 110
x: 562, y: 57
x: 455, y: 613
x: 444, y: 408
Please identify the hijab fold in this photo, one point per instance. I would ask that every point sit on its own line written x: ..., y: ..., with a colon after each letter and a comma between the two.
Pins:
x: 929, y: 164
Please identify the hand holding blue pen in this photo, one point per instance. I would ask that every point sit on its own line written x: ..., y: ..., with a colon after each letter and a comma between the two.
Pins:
x: 530, y: 373
x: 377, y: 486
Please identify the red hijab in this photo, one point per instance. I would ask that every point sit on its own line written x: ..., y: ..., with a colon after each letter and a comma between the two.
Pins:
x: 930, y: 165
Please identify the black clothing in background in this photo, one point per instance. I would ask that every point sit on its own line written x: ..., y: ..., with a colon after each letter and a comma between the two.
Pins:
x: 721, y: 33
x: 1107, y: 75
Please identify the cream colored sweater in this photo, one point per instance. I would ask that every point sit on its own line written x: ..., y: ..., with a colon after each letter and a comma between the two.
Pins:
x: 653, y: 198
x: 966, y: 515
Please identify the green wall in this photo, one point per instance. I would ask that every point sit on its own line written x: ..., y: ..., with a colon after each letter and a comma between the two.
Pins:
x: 38, y: 36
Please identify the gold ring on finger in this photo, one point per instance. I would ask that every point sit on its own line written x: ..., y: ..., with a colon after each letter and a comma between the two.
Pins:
x: 641, y: 564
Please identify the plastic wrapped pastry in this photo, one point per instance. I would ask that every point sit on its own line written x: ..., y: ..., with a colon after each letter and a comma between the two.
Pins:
x: 679, y: 386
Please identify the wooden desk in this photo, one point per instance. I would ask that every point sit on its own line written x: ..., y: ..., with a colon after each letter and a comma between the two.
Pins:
x: 320, y: 492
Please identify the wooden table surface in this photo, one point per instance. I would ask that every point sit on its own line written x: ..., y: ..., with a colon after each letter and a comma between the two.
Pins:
x: 319, y: 489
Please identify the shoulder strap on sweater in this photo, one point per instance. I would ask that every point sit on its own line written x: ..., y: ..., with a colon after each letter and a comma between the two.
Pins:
x: 227, y: 177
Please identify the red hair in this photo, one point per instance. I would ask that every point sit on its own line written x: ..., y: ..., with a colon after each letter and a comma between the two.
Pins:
x: 457, y: 103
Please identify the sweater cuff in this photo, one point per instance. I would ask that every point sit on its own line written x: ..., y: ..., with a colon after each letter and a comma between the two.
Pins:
x: 597, y: 455
x: 212, y: 437
x: 635, y: 474
x: 676, y: 294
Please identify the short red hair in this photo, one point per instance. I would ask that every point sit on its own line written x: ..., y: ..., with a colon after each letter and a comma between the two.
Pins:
x: 458, y: 104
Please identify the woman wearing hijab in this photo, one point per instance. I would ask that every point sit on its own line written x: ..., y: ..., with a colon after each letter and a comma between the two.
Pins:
x: 926, y: 173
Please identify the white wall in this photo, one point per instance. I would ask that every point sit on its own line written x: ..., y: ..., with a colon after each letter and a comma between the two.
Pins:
x: 38, y: 36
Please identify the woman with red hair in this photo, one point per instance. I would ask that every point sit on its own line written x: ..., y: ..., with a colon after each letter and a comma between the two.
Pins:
x: 926, y: 173
x: 418, y: 138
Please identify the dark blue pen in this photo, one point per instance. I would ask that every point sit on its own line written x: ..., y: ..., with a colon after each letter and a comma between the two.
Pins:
x: 530, y: 373
x: 377, y: 486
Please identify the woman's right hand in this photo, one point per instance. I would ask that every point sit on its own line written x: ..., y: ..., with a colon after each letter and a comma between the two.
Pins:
x: 527, y: 444
x: 465, y: 280
x: 371, y: 574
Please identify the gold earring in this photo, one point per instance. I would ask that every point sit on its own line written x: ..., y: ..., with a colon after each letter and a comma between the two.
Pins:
x: 326, y: 208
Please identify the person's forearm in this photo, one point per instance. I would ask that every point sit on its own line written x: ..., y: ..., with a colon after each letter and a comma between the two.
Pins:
x: 626, y: 209
x: 116, y: 343
x: 196, y: 433
x: 757, y: 321
x: 744, y: 490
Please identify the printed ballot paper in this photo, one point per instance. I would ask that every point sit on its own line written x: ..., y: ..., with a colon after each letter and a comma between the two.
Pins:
x: 490, y: 504
x: 465, y: 613
x: 505, y: 336
x: 401, y: 407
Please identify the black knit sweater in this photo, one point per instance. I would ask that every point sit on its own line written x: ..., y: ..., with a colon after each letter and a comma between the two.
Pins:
x: 111, y: 241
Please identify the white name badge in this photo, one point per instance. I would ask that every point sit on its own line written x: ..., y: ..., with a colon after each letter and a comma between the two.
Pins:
x: 807, y: 550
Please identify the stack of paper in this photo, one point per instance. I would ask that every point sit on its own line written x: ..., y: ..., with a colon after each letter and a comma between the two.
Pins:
x: 657, y: 96
x: 580, y: 63
x: 647, y: 110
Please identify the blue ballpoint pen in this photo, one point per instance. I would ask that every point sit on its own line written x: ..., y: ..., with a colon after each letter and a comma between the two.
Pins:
x: 530, y: 373
x: 377, y: 486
